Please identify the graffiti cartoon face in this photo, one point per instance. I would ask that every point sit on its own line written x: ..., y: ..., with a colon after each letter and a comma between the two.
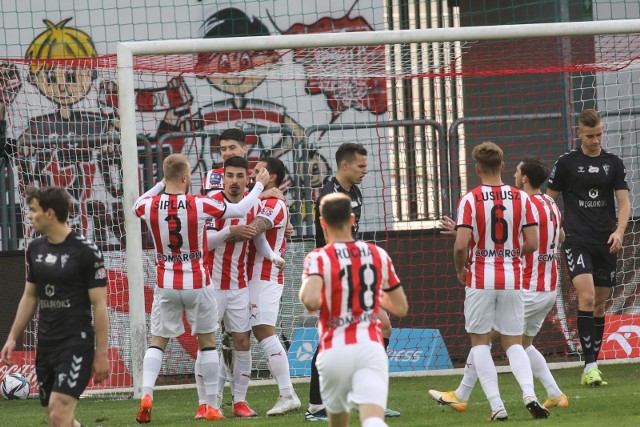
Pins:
x: 236, y: 73
x: 64, y: 86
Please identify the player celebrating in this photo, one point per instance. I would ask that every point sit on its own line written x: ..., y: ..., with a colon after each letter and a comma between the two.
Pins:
x: 353, y: 364
x: 228, y: 241
x: 65, y: 279
x: 589, y: 179
x: 266, y: 283
x: 539, y: 283
x: 177, y: 222
x: 487, y: 254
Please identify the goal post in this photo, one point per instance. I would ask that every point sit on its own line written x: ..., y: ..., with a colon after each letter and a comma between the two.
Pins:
x: 129, y: 53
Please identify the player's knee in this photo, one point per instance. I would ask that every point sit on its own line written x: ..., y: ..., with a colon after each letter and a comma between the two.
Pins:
x: 60, y: 414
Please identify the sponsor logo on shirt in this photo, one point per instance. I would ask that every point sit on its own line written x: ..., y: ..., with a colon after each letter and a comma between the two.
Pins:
x: 594, y: 169
x: 215, y: 180
x: 266, y: 211
x: 101, y: 273
x: 580, y: 169
x: 51, y: 259
x: 497, y: 253
x: 191, y: 256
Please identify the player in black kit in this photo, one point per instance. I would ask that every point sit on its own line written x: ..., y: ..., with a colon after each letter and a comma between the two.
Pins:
x: 591, y: 180
x: 351, y: 163
x: 65, y: 279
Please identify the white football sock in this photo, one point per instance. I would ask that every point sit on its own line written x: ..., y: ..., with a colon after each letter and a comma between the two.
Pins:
x: 521, y: 369
x: 150, y: 369
x: 541, y: 372
x: 469, y: 379
x: 278, y: 364
x: 488, y: 375
x: 241, y: 374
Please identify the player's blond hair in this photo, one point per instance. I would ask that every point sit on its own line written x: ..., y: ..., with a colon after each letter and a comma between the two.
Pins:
x: 59, y: 42
x: 175, y: 166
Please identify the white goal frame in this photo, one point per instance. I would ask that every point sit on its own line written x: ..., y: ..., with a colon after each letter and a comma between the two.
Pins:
x: 127, y: 50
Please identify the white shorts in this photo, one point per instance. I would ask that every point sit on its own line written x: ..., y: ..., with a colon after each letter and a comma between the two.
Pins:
x: 536, y: 307
x: 265, y: 302
x: 233, y: 309
x: 169, y: 305
x: 486, y: 309
x: 353, y: 375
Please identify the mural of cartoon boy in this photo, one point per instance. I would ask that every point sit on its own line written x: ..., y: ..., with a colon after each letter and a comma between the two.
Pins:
x: 237, y: 74
x: 60, y: 68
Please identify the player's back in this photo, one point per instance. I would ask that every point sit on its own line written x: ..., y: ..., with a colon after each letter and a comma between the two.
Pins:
x: 354, y: 276
x: 177, y: 225
x: 496, y: 215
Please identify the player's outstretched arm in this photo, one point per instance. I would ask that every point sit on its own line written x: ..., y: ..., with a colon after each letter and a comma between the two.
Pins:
x: 448, y: 226
x: 98, y: 298
x: 24, y: 314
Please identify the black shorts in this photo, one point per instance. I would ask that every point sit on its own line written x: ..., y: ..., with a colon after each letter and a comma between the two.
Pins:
x: 584, y: 258
x: 64, y: 368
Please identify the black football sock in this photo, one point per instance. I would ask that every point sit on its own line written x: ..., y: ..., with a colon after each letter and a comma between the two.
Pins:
x: 598, y: 332
x: 314, y: 384
x: 586, y: 334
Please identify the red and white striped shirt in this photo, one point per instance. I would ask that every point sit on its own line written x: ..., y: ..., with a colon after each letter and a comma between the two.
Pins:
x: 228, y: 262
x: 261, y: 268
x: 496, y: 214
x: 540, y: 268
x: 177, y: 224
x: 354, y: 275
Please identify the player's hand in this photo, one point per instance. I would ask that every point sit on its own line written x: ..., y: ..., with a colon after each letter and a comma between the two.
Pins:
x: 240, y: 233
x: 100, y: 368
x: 262, y: 176
x: 278, y: 262
x: 462, y: 276
x: 273, y: 192
x: 615, y: 242
x: 288, y: 230
x: 448, y: 226
x: 7, y: 350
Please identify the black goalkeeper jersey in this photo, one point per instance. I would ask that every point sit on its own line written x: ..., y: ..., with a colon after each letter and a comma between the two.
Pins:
x: 63, y: 274
x: 588, y: 186
x: 333, y: 186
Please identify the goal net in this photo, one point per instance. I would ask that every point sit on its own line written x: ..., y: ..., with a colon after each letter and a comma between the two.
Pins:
x: 417, y: 100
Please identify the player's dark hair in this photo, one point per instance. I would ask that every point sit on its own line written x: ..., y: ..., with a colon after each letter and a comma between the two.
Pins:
x: 56, y: 198
x: 238, y: 162
x: 535, y: 169
x: 589, y: 118
x: 348, y: 151
x: 488, y: 156
x: 175, y: 166
x: 335, y: 209
x: 234, y: 134
x: 275, y: 166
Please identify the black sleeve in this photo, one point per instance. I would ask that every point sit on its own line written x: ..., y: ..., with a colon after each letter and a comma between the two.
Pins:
x: 619, y: 177
x: 557, y: 176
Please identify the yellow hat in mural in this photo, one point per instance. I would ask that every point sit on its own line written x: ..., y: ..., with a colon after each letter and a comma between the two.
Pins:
x: 59, y: 42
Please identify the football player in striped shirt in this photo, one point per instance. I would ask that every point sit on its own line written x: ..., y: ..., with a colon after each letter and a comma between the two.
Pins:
x: 176, y: 222
x: 493, y: 219
x: 539, y: 284
x: 350, y: 281
x: 228, y: 240
x: 266, y: 284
